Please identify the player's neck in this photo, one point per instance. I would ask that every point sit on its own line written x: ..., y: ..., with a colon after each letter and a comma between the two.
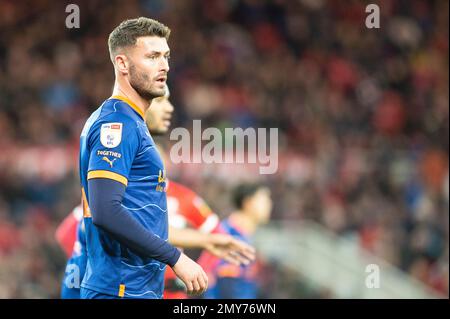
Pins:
x: 243, y: 221
x: 131, y: 94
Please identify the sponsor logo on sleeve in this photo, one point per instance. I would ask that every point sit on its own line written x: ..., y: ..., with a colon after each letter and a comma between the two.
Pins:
x: 107, y: 160
x: 111, y: 134
x: 109, y: 153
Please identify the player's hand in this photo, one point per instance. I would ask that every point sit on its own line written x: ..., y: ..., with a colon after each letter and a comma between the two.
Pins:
x: 230, y: 249
x: 191, y: 274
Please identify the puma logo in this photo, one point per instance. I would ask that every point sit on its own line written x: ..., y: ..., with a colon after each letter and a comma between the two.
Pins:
x: 109, y: 161
x: 161, y: 177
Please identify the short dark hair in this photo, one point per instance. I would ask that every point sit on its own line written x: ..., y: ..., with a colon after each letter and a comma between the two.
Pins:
x: 127, y: 32
x: 243, y: 191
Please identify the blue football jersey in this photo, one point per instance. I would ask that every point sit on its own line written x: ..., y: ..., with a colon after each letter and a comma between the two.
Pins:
x: 115, y: 143
x: 230, y: 281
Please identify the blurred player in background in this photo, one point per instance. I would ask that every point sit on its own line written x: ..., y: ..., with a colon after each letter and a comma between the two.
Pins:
x: 71, y: 237
x: 186, y: 209
x: 194, y: 225
x: 230, y: 281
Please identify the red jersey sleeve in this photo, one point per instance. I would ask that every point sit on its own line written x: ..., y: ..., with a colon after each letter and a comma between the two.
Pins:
x: 66, y: 233
x: 184, y: 204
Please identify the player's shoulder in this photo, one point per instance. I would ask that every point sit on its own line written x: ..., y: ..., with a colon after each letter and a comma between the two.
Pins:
x: 118, y: 110
x: 111, y: 123
x: 179, y: 189
x: 228, y: 226
x: 115, y: 115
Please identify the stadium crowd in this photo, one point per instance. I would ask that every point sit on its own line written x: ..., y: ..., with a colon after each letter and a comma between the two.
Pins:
x: 362, y: 117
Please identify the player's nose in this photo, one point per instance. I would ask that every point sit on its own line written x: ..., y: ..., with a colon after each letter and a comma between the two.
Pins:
x: 164, y: 65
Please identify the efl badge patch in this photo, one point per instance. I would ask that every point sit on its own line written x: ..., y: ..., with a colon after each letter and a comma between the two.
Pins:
x: 111, y: 134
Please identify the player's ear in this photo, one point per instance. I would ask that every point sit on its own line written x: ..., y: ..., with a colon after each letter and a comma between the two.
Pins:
x: 122, y: 63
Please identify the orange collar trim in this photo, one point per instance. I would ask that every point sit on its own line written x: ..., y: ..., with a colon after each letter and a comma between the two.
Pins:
x: 130, y: 103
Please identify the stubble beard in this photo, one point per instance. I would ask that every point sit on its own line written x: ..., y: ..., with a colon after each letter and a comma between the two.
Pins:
x: 141, y: 83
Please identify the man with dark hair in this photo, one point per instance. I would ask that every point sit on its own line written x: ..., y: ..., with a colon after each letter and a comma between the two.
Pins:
x: 123, y: 177
x: 230, y: 281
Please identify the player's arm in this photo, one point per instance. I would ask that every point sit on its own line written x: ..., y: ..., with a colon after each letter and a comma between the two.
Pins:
x: 106, y: 197
x: 223, y: 246
x: 107, y: 181
x: 186, y: 238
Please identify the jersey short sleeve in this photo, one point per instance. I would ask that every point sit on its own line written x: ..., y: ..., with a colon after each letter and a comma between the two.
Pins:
x: 113, y: 145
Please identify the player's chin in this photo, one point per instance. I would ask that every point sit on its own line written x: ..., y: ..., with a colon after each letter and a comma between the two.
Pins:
x: 166, y: 125
x: 165, y: 130
x: 159, y: 87
x: 161, y: 130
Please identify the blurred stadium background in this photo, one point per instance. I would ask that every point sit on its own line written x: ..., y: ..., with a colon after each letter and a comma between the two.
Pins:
x: 363, y: 118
